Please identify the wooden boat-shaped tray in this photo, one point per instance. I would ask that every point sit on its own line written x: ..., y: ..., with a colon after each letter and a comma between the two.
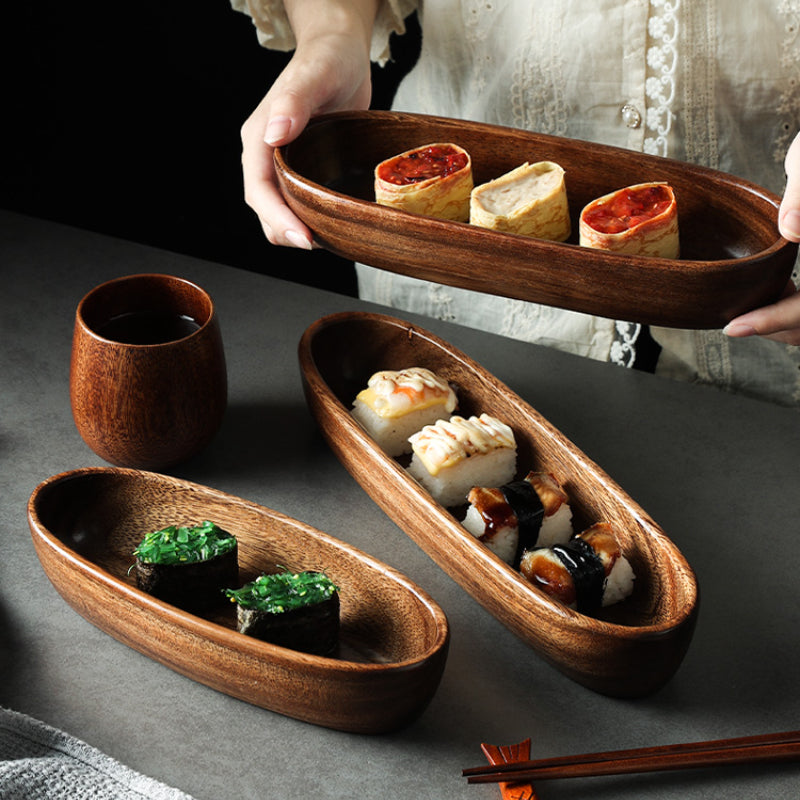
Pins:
x: 394, y: 638
x: 637, y: 645
x: 732, y: 257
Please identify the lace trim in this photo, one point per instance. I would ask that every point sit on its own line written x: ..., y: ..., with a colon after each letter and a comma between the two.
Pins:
x: 662, y: 61
x: 537, y: 85
x: 623, y: 348
x: 789, y: 105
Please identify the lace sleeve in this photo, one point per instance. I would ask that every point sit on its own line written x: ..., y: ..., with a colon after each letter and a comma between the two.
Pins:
x: 275, y: 33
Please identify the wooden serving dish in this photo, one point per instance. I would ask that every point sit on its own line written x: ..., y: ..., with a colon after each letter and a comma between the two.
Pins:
x: 638, y: 644
x: 732, y: 257
x: 85, y: 524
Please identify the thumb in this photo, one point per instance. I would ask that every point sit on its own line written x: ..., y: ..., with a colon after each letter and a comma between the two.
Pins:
x: 789, y: 213
x: 287, y: 118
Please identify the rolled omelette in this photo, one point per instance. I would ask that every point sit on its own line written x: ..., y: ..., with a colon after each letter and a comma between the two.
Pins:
x: 434, y: 180
x: 640, y: 220
x: 531, y: 200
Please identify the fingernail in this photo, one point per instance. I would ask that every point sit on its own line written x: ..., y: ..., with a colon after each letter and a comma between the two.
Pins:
x: 790, y: 225
x: 739, y: 329
x: 277, y: 130
x: 298, y: 240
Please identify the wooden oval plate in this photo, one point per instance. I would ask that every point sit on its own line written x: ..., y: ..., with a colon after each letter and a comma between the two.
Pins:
x: 85, y: 524
x: 637, y: 645
x: 733, y: 259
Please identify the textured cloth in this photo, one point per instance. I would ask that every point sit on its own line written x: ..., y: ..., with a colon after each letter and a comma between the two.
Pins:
x: 38, y: 762
x: 715, y: 83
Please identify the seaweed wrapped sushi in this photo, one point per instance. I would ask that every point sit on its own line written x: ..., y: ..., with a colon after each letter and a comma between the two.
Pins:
x: 298, y: 610
x: 188, y: 566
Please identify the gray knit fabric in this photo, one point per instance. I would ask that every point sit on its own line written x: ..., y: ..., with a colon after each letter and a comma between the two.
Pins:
x: 37, y: 761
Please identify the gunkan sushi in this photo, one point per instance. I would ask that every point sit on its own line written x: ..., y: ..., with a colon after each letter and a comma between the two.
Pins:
x: 451, y: 456
x: 298, y: 610
x: 509, y: 519
x: 586, y: 573
x: 188, y: 566
x: 397, y: 404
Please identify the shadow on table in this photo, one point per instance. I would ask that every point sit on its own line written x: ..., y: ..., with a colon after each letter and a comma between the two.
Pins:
x: 256, y: 438
x: 11, y: 667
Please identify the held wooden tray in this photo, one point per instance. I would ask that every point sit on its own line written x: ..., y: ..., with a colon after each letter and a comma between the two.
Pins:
x: 637, y: 645
x: 732, y: 258
x: 85, y: 524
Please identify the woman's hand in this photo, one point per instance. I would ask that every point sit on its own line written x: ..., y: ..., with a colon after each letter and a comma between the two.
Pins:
x: 329, y: 71
x: 781, y: 320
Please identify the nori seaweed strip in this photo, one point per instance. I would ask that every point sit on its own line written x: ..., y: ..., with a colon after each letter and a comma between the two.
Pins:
x: 587, y: 573
x: 192, y: 586
x: 310, y: 629
x: 525, y: 503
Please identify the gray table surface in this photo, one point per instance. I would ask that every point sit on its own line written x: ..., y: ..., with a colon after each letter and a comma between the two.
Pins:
x: 717, y: 472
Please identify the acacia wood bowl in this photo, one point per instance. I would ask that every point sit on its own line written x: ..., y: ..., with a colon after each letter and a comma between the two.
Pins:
x: 394, y: 638
x: 632, y: 648
x: 732, y: 257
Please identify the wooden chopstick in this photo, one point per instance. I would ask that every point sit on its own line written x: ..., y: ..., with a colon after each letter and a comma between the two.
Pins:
x: 765, y: 748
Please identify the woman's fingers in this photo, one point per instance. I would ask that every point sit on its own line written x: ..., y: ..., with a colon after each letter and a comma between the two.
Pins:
x: 779, y: 321
x: 789, y: 213
x: 271, y: 124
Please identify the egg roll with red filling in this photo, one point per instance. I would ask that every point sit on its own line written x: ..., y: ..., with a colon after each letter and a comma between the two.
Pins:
x: 434, y: 180
x: 640, y: 220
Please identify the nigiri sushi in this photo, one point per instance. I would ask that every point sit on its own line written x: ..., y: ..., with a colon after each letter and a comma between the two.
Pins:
x: 587, y: 573
x: 397, y: 404
x: 298, y: 610
x: 510, y: 519
x: 451, y: 456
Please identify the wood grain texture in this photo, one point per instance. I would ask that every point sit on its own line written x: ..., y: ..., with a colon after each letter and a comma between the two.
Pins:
x: 732, y: 257
x: 147, y: 406
x: 637, y: 645
x: 394, y: 638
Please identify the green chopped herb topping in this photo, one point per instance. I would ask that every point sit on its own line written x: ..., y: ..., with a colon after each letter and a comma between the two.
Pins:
x: 184, y: 545
x: 285, y: 591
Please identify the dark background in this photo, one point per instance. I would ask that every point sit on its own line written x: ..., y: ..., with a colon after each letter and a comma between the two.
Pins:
x: 125, y: 118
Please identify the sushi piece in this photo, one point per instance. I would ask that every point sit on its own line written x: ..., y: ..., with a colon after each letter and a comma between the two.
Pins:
x: 452, y: 456
x: 531, y: 200
x: 397, y: 404
x: 434, y: 180
x: 297, y: 610
x: 520, y: 515
x: 189, y: 567
x: 640, y: 220
x: 587, y: 573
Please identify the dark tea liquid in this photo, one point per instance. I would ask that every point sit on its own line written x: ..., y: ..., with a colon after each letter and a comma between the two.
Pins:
x: 148, y: 327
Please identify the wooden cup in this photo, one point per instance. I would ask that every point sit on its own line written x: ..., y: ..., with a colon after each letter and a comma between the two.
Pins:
x: 148, y: 382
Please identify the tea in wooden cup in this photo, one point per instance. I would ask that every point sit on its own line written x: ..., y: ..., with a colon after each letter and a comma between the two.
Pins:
x: 148, y: 381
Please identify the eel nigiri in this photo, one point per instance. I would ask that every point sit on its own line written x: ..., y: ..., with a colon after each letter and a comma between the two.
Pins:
x: 587, y: 573
x: 520, y: 515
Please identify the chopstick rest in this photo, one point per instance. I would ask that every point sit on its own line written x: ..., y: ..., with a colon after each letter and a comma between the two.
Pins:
x: 761, y: 749
x: 511, y: 754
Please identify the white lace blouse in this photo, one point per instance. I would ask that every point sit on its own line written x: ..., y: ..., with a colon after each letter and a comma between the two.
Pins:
x: 714, y: 82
